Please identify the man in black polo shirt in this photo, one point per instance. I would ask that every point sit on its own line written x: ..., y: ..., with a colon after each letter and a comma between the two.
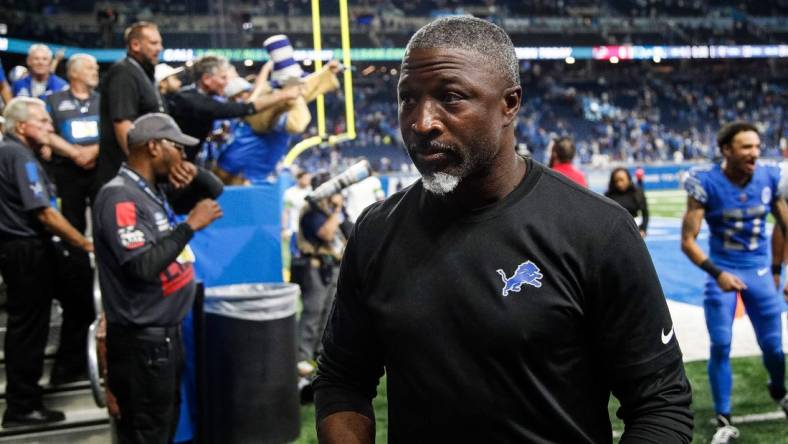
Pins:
x: 505, y: 302
x: 127, y: 92
x: 28, y: 218
x: 74, y: 113
x: 146, y: 274
x: 196, y: 106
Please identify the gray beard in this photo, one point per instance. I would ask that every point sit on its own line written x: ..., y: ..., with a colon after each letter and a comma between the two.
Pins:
x: 440, y: 183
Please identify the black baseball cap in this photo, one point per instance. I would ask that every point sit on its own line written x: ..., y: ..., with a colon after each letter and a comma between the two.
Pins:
x: 155, y: 126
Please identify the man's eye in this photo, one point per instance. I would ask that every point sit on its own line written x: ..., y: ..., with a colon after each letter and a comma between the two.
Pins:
x: 451, y: 97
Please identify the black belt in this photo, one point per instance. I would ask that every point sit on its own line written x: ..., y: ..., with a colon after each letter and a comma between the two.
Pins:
x: 151, y: 331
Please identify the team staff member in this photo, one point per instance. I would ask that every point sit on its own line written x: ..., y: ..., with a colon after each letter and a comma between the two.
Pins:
x: 127, y: 92
x: 40, y: 80
x: 496, y: 317
x: 195, y: 107
x: 74, y: 112
x: 146, y: 274
x: 735, y: 197
x: 28, y: 218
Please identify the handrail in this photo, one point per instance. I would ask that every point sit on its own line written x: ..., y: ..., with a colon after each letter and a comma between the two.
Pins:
x: 94, y: 366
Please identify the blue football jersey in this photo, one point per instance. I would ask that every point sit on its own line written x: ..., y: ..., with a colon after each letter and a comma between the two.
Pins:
x: 736, y: 215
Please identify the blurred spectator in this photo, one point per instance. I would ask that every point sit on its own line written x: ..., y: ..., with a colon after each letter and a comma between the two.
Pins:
x: 293, y: 202
x: 5, y: 88
x: 106, y: 18
x: 624, y: 192
x: 362, y: 194
x: 166, y: 78
x: 127, y: 92
x: 74, y: 113
x: 561, y: 157
x: 196, y: 106
x: 40, y: 79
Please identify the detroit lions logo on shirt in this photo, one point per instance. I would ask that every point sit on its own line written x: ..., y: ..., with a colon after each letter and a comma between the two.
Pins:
x: 32, y: 177
x: 526, y: 273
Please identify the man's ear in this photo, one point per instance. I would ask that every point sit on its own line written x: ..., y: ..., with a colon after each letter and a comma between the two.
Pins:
x: 154, y: 150
x: 512, y: 97
x: 20, y: 128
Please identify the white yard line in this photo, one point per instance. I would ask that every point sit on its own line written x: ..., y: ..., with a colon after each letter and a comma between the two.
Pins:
x: 693, y: 337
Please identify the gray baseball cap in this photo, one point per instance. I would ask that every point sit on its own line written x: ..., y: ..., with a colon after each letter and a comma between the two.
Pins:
x: 158, y: 126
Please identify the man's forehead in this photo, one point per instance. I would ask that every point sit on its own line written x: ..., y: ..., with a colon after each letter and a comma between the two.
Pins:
x: 445, y: 63
x: 445, y: 57
x: 39, y: 53
x: 747, y: 137
x: 150, y: 34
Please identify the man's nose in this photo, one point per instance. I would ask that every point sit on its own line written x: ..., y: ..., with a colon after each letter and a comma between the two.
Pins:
x: 427, y: 119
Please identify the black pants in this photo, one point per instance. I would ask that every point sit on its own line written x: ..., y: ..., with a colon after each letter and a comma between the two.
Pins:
x: 144, y: 372
x: 74, y: 288
x: 25, y: 264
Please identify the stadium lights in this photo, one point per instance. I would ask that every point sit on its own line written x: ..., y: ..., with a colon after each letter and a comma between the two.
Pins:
x: 614, y: 59
x: 569, y: 60
x: 657, y: 59
x: 248, y: 62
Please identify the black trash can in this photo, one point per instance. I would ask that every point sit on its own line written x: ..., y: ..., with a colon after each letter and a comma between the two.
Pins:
x: 251, y: 393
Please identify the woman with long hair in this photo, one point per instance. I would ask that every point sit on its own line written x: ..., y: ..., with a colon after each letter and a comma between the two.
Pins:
x: 622, y: 190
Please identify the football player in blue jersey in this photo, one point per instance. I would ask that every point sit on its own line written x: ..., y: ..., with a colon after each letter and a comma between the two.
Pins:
x: 735, y: 197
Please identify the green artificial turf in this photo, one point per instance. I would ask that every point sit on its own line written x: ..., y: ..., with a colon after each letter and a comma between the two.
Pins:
x: 749, y: 396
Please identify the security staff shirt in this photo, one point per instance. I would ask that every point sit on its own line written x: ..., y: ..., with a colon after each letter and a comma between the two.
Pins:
x: 509, y: 323
x: 127, y: 92
x: 75, y: 120
x: 131, y: 218
x: 24, y: 188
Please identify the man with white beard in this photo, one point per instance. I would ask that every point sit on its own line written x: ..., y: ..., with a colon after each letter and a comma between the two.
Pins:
x: 504, y: 302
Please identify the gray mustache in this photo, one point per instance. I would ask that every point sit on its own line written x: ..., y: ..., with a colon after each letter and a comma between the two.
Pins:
x: 431, y: 147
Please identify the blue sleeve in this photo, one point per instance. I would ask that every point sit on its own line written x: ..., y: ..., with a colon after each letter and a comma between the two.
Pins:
x: 33, y: 190
x: 2, y: 72
x: 18, y: 86
x: 695, y: 186
x: 57, y: 83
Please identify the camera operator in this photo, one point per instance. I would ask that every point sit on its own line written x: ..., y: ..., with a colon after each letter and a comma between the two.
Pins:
x: 321, y: 239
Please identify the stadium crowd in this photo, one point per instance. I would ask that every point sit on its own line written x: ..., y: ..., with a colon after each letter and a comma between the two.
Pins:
x: 644, y: 113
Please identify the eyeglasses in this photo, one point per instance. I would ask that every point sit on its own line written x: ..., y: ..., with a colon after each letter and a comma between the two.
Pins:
x: 171, y: 144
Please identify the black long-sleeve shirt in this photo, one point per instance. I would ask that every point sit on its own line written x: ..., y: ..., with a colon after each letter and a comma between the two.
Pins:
x: 511, y: 323
x: 194, y: 112
x: 145, y: 267
x: 634, y: 201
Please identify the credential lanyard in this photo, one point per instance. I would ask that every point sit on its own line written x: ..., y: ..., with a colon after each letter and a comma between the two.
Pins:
x: 157, y: 197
